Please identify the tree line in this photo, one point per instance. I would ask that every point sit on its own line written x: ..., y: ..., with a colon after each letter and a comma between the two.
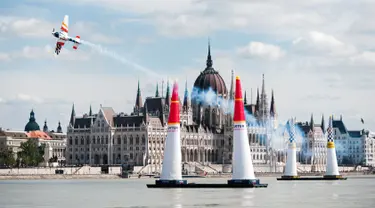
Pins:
x: 31, y: 155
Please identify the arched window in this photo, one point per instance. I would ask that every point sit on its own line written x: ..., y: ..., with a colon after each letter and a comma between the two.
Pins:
x: 143, y: 140
x: 118, y: 139
x: 131, y: 139
x: 137, y: 139
x: 125, y: 140
x: 213, y: 117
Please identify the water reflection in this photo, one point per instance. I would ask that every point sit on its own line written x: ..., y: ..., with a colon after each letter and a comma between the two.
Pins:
x: 247, y: 197
x: 176, y: 198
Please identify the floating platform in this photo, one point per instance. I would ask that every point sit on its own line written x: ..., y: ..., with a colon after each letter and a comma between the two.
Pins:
x: 184, y: 184
x: 187, y: 176
x: 311, y: 178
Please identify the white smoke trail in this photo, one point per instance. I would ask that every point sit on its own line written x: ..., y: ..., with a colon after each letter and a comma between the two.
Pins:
x: 209, y: 98
x: 117, y: 57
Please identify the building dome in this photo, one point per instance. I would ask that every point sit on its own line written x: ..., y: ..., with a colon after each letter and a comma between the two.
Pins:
x: 32, y: 125
x: 210, y: 78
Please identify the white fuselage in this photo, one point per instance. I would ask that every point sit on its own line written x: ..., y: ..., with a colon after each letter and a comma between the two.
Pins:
x: 63, y: 36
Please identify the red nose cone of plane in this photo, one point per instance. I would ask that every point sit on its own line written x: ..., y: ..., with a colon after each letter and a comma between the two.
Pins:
x: 174, y: 110
x: 239, y: 114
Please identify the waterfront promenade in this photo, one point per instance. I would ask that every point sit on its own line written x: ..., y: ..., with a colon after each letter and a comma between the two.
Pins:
x: 88, y: 172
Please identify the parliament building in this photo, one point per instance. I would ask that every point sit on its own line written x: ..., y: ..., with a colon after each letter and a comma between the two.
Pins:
x: 137, y: 139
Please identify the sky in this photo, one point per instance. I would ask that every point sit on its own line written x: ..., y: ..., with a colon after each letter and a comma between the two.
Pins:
x: 318, y: 56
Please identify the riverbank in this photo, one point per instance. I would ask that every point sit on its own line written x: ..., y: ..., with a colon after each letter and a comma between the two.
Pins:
x: 114, y: 176
x: 57, y: 177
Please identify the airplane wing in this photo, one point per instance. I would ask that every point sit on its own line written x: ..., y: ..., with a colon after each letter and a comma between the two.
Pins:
x: 59, y: 45
x: 65, y: 25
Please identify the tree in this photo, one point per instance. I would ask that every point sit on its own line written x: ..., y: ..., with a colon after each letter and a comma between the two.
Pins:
x: 31, y: 154
x: 7, y: 158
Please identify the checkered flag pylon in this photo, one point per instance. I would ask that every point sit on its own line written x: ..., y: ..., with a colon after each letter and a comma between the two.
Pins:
x: 330, y: 130
x: 291, y: 130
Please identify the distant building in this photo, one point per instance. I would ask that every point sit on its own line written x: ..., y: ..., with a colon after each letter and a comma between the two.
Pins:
x: 12, y: 139
x: 369, y: 148
x: 353, y: 147
x: 313, y: 150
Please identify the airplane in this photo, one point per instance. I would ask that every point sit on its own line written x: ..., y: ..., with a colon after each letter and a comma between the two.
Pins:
x: 63, y: 36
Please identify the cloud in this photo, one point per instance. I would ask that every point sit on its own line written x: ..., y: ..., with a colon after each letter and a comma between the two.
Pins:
x: 317, y: 43
x: 25, y: 27
x: 4, y: 57
x: 39, y: 28
x: 366, y: 58
x: 261, y: 50
x: 324, y: 51
x: 100, y: 38
x: 46, y: 52
x: 23, y: 99
x: 186, y: 18
x: 320, y: 97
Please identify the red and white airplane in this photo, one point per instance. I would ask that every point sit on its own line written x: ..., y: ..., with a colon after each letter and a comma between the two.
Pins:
x: 62, y: 36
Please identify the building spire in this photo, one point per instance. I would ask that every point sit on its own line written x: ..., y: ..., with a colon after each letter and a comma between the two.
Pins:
x: 32, y: 116
x: 257, y: 102
x: 263, y: 103
x: 209, y: 59
x: 186, y: 103
x: 157, y: 90
x: 245, y: 99
x: 72, y: 116
x: 59, y: 129
x: 90, y: 112
x: 45, y: 127
x: 167, y: 95
x: 231, y: 91
x: 251, y: 96
x: 263, y: 86
x: 312, y: 122
x: 273, y: 106
x: 138, y: 99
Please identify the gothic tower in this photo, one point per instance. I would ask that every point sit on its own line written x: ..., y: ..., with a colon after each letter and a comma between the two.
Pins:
x: 263, y: 108
x: 72, y: 117
x: 138, y: 101
x: 273, y: 113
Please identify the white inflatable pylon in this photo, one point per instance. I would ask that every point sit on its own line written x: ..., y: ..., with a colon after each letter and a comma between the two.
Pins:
x: 290, y: 170
x: 332, y: 169
x: 243, y: 170
x: 171, y: 169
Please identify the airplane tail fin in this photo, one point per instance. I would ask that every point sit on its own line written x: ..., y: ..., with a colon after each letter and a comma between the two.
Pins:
x: 65, y: 24
x: 77, y: 42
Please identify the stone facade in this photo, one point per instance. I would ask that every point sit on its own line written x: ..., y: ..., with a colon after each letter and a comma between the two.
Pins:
x: 353, y: 147
x: 313, y: 150
x: 10, y: 139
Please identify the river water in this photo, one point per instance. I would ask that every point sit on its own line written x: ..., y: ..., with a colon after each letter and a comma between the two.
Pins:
x: 133, y: 193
